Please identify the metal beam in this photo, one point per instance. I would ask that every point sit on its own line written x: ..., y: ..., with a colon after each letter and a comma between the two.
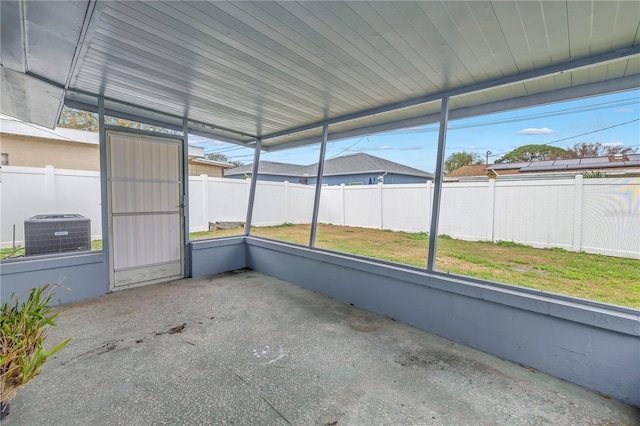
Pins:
x: 437, y: 190
x: 132, y: 117
x: 150, y: 110
x: 186, y: 254
x: 252, y: 189
x: 515, y: 78
x: 576, y: 92
x: 316, y: 202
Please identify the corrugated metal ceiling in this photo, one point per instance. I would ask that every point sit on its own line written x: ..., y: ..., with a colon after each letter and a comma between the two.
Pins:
x: 244, y: 69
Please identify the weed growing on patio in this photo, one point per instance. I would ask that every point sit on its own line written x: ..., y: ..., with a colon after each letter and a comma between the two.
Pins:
x: 23, y: 329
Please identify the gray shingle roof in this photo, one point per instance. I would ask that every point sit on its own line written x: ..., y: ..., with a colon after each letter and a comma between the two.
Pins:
x: 344, y: 165
x: 268, y: 168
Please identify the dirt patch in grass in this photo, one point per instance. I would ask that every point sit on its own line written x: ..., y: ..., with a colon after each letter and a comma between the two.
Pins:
x: 606, y: 279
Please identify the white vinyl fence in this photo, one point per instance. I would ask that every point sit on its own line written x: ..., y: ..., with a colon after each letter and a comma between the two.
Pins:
x: 592, y: 215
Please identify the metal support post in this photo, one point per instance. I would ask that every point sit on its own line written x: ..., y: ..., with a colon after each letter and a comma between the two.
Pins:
x: 316, y: 202
x: 437, y: 190
x: 104, y: 193
x: 185, y: 196
x: 252, y: 188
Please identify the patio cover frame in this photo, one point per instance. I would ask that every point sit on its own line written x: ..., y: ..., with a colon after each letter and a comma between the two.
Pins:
x: 519, y: 324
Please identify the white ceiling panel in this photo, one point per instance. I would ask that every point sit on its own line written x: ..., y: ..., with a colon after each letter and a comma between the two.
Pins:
x: 277, y: 69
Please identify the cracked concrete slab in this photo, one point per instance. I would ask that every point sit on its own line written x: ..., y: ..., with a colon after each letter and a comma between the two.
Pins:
x: 246, y: 348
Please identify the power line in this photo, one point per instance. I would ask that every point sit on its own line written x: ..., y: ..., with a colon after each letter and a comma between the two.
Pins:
x: 566, y: 111
x: 349, y: 147
x: 581, y: 134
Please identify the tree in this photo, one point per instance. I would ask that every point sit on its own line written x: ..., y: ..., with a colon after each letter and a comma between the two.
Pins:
x: 534, y: 153
x: 459, y: 159
x: 596, y: 149
x: 217, y: 156
x: 76, y: 119
x: 88, y: 121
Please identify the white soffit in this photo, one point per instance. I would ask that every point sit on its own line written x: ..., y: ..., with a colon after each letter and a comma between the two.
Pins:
x: 246, y: 69
x: 29, y: 99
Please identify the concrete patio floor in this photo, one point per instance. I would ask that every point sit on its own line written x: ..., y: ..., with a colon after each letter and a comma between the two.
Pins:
x: 246, y: 348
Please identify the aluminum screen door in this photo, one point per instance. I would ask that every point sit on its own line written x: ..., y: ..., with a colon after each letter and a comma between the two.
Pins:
x: 145, y: 211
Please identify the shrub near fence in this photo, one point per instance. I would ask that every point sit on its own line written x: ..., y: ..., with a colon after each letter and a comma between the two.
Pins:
x: 593, y: 215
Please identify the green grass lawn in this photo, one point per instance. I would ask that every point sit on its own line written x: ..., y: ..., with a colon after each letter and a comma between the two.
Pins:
x: 19, y: 251
x: 606, y: 279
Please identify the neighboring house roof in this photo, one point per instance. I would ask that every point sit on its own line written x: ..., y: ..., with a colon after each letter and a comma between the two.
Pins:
x: 13, y: 126
x: 344, y: 165
x: 566, y: 165
x: 612, y: 162
x: 268, y: 168
x: 365, y: 163
x: 213, y: 163
x: 469, y: 170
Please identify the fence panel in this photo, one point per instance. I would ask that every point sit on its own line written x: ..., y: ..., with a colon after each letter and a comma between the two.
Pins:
x: 198, y: 203
x: 79, y: 192
x: 299, y: 202
x: 406, y: 207
x: 466, y: 210
x: 362, y: 206
x: 538, y: 212
x: 30, y: 191
x: 593, y: 215
x: 611, y: 217
x: 227, y: 199
x: 332, y: 205
x: 270, y: 206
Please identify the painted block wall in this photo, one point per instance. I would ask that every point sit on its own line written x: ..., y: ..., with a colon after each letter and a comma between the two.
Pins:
x: 592, y: 346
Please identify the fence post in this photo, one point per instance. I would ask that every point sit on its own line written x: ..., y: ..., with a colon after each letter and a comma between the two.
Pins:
x: 286, y: 202
x: 577, y: 212
x: 381, y: 205
x: 50, y: 189
x: 492, y: 209
x: 342, y: 209
x: 205, y: 200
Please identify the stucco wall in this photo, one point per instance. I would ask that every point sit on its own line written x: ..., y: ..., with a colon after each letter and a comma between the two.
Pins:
x: 28, y: 151
x: 197, y: 169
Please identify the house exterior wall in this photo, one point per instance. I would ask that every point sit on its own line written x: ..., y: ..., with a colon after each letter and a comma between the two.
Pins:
x: 362, y: 178
x: 369, y: 178
x: 29, y: 151
x: 211, y: 170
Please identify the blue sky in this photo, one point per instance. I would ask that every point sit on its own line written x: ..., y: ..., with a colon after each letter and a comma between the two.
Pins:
x: 557, y: 124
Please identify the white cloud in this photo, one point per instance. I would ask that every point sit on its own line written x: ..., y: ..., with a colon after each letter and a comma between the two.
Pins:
x: 624, y: 110
x: 535, y: 131
x: 371, y: 148
x: 612, y: 144
x: 411, y: 148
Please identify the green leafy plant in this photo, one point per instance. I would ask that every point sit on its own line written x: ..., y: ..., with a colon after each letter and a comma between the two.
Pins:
x: 594, y: 174
x: 23, y: 329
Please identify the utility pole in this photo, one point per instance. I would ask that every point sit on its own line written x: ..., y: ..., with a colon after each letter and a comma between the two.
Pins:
x: 487, y: 158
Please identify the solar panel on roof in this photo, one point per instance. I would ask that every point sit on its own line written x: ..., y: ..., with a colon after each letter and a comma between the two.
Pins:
x: 507, y: 166
x: 541, y: 168
x: 572, y: 161
x: 594, y: 160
